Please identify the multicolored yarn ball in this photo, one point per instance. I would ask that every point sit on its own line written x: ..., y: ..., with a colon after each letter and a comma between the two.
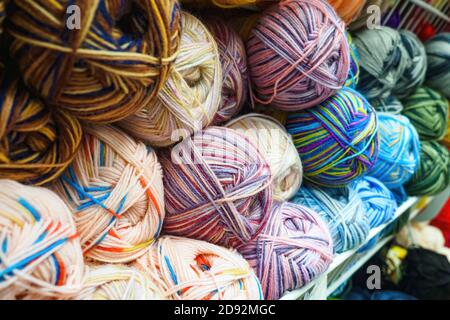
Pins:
x: 36, y: 144
x: 277, y: 147
x: 108, y: 66
x: 433, y: 174
x: 337, y: 140
x: 118, y: 282
x: 379, y: 202
x: 344, y: 212
x: 428, y: 112
x: 347, y: 10
x: 414, y: 74
x: 383, y: 60
x: 353, y: 76
x: 294, y: 248
x: 191, y: 95
x: 389, y: 104
x: 115, y: 191
x: 233, y: 59
x: 398, y: 158
x: 186, y: 269
x: 438, y: 52
x: 217, y: 188
x: 298, y: 54
x: 41, y: 255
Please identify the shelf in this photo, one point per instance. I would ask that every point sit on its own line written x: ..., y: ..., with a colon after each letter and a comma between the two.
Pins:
x: 320, y: 288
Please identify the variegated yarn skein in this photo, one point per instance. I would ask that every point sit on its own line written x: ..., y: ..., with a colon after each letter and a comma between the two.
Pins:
x: 277, y: 147
x: 298, y: 54
x: 438, y: 53
x: 190, y: 98
x: 106, y: 68
x: 294, y: 248
x: 114, y: 189
x: 217, y: 188
x: 383, y: 61
x: 344, y: 212
x: 40, y: 256
x: 186, y: 269
x: 398, y: 158
x: 234, y: 69
x: 118, y: 282
x: 36, y: 143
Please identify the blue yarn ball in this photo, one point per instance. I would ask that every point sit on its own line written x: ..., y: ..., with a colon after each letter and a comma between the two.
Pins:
x: 398, y: 157
x: 379, y: 202
x: 342, y: 209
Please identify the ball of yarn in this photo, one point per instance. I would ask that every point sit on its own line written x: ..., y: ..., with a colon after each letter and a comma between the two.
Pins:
x: 428, y: 112
x: 104, y: 69
x: 234, y: 69
x: 190, y: 98
x: 438, y: 53
x: 347, y: 10
x: 383, y: 60
x: 414, y: 74
x: 186, y: 269
x: 353, y: 75
x: 115, y: 191
x: 344, y: 212
x: 36, y: 144
x: 298, y: 54
x: 217, y: 188
x: 389, y: 104
x: 398, y: 158
x: 276, y: 146
x: 422, y: 235
x: 294, y: 248
x: 337, y: 140
x: 379, y: 202
x: 433, y: 174
x: 41, y: 255
x: 118, y: 282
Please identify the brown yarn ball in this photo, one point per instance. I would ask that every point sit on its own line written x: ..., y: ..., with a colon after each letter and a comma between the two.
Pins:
x: 104, y: 69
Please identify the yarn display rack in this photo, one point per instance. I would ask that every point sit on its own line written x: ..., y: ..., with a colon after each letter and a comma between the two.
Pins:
x: 344, y: 265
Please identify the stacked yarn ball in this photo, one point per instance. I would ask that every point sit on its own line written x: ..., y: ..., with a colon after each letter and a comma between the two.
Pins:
x: 398, y: 158
x: 298, y: 54
x: 433, y: 174
x: 41, y: 255
x: 383, y: 60
x: 190, y: 98
x: 344, y: 212
x: 276, y: 146
x: 414, y: 74
x: 234, y: 69
x: 438, y: 52
x: 379, y: 202
x: 428, y: 112
x: 217, y: 188
x: 293, y: 249
x: 186, y: 269
x: 36, y: 144
x: 118, y: 282
x: 100, y: 72
x: 115, y: 191
x: 389, y: 104
x: 337, y: 140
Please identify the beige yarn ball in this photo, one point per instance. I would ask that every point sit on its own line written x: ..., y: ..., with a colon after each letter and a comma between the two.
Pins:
x: 118, y: 282
x: 191, y: 95
x: 40, y: 252
x: 115, y: 191
x: 276, y: 145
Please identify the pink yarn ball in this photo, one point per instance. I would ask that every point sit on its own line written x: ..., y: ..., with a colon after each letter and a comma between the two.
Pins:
x: 298, y: 54
x: 293, y: 249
